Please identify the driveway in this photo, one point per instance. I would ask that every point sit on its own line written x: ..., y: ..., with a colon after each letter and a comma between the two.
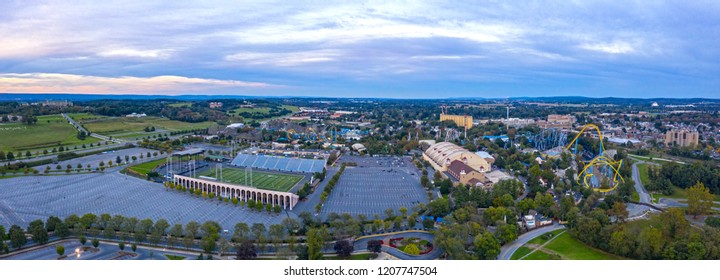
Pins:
x: 507, y: 250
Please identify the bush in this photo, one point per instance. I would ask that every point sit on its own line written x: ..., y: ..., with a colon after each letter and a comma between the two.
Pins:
x: 713, y: 222
x: 60, y: 250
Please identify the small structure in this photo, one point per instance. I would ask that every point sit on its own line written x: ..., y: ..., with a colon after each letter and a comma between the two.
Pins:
x: 136, y: 115
x: 359, y: 147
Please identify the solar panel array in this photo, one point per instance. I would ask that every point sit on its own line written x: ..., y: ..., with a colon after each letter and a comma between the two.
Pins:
x: 279, y: 163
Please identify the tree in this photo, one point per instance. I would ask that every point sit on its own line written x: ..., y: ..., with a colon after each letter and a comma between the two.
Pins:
x: 60, y: 250
x: 95, y: 242
x: 246, y: 251
x: 175, y: 233
x: 121, y: 245
x: 525, y: 205
x: 619, y: 210
x: 302, y: 252
x: 83, y: 239
x: 17, y: 236
x: 487, y: 247
x: 411, y: 249
x: 374, y: 245
x: 343, y: 248
x: 315, y: 242
x: 191, y: 230
x: 277, y: 234
x: 133, y: 247
x: 700, y: 200
x: 507, y: 232
x: 211, y: 233
x: 62, y: 230
x: 52, y: 223
x: 439, y: 207
x: 38, y: 231
x: 241, y: 233
x: 291, y: 225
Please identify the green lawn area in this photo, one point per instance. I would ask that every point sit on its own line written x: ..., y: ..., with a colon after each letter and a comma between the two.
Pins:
x: 49, y: 132
x: 680, y: 195
x: 237, y: 111
x: 567, y: 247
x: 571, y: 249
x: 539, y: 255
x: 134, y: 127
x: 643, y: 170
x: 520, y: 252
x: 145, y: 167
x: 352, y: 257
x: 262, y: 180
x: 180, y: 104
x: 174, y: 257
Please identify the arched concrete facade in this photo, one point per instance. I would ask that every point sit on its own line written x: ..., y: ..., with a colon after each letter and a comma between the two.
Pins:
x: 286, y: 200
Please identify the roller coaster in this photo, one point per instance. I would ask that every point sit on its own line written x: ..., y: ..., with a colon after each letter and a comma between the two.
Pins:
x: 599, y: 167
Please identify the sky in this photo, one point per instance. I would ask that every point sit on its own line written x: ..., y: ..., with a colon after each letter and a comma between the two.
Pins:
x: 393, y: 49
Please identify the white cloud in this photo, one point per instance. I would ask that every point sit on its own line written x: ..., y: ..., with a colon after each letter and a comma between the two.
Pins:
x: 284, y: 59
x: 616, y: 47
x: 69, y: 83
x: 126, y: 52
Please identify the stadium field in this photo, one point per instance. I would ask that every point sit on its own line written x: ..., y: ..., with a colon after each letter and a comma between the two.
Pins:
x: 261, y: 180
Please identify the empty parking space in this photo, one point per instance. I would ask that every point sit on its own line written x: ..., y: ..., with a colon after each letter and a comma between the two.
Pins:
x: 372, y: 187
x: 25, y: 199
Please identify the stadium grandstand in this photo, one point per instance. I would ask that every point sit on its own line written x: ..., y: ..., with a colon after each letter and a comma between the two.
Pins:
x: 278, y: 163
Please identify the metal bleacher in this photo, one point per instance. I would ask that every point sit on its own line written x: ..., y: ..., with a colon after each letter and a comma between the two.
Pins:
x: 279, y: 163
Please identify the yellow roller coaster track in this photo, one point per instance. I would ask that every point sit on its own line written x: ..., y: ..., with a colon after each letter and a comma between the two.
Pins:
x: 599, y: 160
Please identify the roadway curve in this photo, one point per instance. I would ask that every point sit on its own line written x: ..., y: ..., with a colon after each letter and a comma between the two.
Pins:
x: 361, y: 245
x: 636, y: 210
x: 507, y: 250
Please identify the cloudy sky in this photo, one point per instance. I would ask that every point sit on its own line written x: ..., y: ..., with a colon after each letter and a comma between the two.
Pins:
x: 375, y: 49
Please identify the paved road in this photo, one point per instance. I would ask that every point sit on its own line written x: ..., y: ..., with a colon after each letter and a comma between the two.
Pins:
x: 361, y: 245
x: 507, y: 250
x: 636, y: 210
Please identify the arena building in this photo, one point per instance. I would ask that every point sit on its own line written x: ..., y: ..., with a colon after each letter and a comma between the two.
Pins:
x: 442, y: 154
x: 244, y: 193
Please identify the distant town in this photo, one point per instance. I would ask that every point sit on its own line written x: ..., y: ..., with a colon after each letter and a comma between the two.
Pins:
x: 333, y: 178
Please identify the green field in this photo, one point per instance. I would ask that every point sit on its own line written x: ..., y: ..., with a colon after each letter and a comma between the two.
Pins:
x: 145, y: 167
x: 259, y: 110
x: 643, y: 170
x: 261, y: 180
x: 174, y: 257
x: 180, y: 104
x: 123, y: 127
x: 565, y: 246
x: 49, y: 132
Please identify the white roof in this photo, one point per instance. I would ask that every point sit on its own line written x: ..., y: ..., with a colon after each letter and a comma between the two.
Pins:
x: 483, y: 154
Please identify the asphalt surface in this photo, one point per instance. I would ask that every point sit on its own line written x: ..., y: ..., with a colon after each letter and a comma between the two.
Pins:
x: 361, y: 245
x: 507, y: 250
x: 635, y: 210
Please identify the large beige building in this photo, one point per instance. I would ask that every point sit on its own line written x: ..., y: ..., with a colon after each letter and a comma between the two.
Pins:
x: 459, y: 120
x: 681, y: 137
x: 442, y: 154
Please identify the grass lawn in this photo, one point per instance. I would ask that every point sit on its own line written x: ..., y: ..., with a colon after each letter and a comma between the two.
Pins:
x: 262, y: 180
x: 520, y: 252
x: 538, y: 255
x: 567, y: 247
x: 174, y: 257
x: 352, y: 257
x: 134, y: 127
x: 570, y: 248
x: 145, y: 167
x: 680, y: 195
x: 49, y: 132
x: 643, y: 170
x: 259, y: 110
x: 180, y: 104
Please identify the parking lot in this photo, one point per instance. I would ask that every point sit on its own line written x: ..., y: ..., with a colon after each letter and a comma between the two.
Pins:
x: 94, y: 160
x: 24, y: 199
x: 374, y: 185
